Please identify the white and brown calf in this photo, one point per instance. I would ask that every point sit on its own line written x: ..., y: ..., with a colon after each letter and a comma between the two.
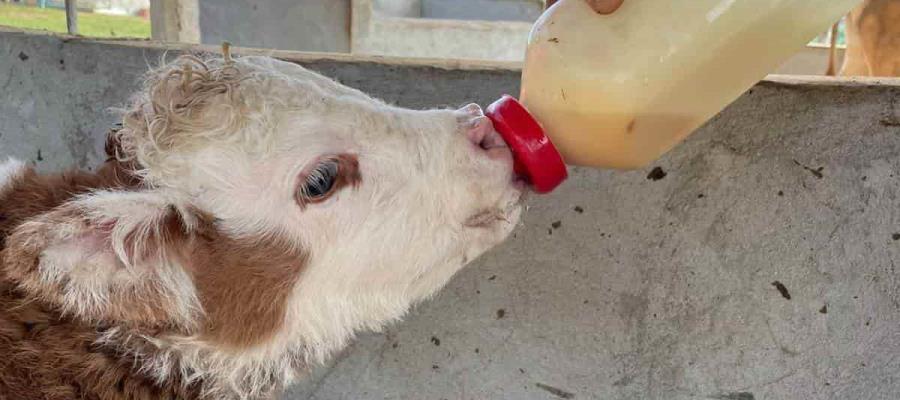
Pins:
x: 255, y: 216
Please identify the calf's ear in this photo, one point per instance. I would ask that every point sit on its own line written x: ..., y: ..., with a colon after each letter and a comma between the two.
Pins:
x: 110, y: 257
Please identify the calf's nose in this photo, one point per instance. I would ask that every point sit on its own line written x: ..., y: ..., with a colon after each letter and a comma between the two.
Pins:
x: 480, y: 132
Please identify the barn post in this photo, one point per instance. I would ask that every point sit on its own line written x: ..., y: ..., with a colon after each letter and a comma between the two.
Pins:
x: 175, y: 20
x: 72, y: 17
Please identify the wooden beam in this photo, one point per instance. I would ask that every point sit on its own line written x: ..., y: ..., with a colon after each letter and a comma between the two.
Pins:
x: 175, y: 20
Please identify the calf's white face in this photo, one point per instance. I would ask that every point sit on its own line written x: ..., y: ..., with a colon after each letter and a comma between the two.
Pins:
x: 386, y: 203
x: 281, y: 212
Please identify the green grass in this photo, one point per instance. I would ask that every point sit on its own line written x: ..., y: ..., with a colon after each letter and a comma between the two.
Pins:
x: 89, y: 24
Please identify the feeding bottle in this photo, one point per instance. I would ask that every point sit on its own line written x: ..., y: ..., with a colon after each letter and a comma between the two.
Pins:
x: 618, y: 90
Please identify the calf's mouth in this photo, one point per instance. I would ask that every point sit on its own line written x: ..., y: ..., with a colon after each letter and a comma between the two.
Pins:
x: 491, y: 216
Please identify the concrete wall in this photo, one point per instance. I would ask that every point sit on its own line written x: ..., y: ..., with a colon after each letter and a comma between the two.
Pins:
x: 398, y: 8
x: 485, y: 10
x: 616, y: 286
x: 87, y: 78
x: 307, y: 25
x: 405, y: 28
x: 374, y: 32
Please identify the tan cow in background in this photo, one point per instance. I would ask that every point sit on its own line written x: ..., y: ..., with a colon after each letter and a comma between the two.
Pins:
x: 873, y: 41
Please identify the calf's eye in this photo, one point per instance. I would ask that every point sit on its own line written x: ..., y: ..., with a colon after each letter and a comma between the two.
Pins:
x: 321, y: 181
x: 326, y: 177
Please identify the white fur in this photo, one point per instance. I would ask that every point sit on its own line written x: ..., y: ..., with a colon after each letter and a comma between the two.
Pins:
x: 10, y: 170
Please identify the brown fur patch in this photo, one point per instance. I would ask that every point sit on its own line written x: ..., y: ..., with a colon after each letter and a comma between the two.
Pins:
x: 244, y: 286
x: 34, y: 194
x: 44, y: 356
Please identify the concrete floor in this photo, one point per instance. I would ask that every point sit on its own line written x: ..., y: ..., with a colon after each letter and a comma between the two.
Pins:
x: 758, y: 263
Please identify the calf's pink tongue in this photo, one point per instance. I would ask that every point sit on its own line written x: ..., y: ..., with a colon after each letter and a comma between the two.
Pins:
x: 536, y: 158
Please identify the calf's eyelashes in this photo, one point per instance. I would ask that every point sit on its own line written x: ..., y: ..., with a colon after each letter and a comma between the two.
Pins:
x: 325, y: 177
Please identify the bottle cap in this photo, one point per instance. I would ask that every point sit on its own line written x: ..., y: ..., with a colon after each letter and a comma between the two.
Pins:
x: 535, y: 156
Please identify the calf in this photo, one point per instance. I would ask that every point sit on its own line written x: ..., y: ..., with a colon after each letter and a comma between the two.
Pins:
x: 873, y: 41
x: 255, y: 215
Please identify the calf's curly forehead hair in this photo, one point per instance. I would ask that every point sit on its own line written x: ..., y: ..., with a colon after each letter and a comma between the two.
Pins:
x: 190, y: 102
